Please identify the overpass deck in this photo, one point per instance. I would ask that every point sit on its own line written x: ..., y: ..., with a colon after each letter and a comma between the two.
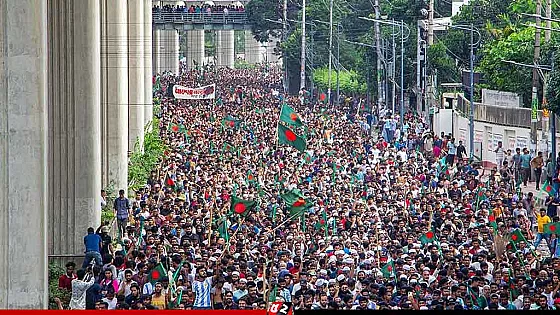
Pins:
x: 200, y: 21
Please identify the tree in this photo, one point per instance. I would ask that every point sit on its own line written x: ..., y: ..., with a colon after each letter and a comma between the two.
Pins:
x: 553, y: 90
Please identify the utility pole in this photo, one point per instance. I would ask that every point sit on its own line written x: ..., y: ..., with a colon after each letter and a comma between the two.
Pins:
x: 284, y: 37
x: 402, y: 74
x: 471, y: 97
x: 329, y: 90
x: 548, y: 13
x: 431, y: 23
x: 379, y: 56
x: 534, y: 97
x: 338, y: 63
x: 302, y: 71
x: 393, y: 94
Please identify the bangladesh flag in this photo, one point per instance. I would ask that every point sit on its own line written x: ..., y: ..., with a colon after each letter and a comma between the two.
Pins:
x: 492, y: 222
x: 287, y: 136
x: 228, y: 147
x: 547, y: 187
x: 552, y: 228
x: 322, y: 222
x: 240, y: 206
x: 517, y: 236
x: 250, y: 176
x: 223, y: 228
x: 427, y: 238
x: 231, y: 122
x: 157, y: 274
x: 169, y: 181
x: 388, y: 270
x: 289, y: 116
x: 297, y: 204
x: 174, y: 127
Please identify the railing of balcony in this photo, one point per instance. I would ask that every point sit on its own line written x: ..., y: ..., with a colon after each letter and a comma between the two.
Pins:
x: 200, y: 18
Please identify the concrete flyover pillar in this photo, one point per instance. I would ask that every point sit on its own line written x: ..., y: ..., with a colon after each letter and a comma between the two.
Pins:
x: 114, y: 93
x: 270, y: 46
x: 23, y: 154
x: 225, y: 42
x: 74, y: 63
x: 195, y: 48
x: 253, y: 49
x: 148, y: 95
x: 169, y: 50
x: 156, y: 60
x: 136, y: 81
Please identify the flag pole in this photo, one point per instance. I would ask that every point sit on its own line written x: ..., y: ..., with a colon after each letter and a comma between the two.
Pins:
x: 284, y: 222
x: 234, y: 233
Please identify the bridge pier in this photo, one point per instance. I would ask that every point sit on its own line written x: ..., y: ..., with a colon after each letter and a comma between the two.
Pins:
x: 225, y: 48
x: 169, y: 51
x: 136, y: 80
x: 114, y: 97
x: 23, y: 154
x: 147, y: 42
x: 254, y: 52
x: 74, y: 123
x: 195, y: 48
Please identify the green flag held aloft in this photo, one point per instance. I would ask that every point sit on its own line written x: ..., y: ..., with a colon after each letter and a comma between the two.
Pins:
x: 388, y: 270
x: 288, y: 137
x: 552, y: 228
x: 157, y: 274
x: 289, y: 116
x: 427, y: 238
x: 231, y: 122
x: 517, y: 237
x: 240, y: 206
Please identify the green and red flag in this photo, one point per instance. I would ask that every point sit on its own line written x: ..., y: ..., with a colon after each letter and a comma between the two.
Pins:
x: 231, y: 122
x: 157, y: 274
x: 547, y: 187
x: 517, y: 237
x: 388, y: 270
x: 288, y: 137
x: 240, y: 206
x: 296, y: 202
x: 428, y: 237
x: 289, y: 116
x: 174, y: 127
x: 228, y: 147
x: 169, y: 181
x: 322, y: 223
x: 250, y: 176
x: 552, y: 228
x: 492, y: 222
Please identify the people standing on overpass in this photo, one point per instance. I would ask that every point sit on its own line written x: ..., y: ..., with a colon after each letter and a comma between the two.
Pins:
x: 122, y: 210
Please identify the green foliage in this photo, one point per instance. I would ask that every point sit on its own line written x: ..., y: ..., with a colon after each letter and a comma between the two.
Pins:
x: 55, y: 271
x: 350, y: 81
x: 518, y: 47
x: 142, y: 163
x: 259, y: 12
x: 242, y: 64
x: 441, y: 62
x: 553, y: 89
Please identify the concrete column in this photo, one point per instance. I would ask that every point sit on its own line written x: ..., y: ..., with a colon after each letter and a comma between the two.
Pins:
x: 23, y: 154
x: 136, y: 81
x: 253, y: 49
x: 271, y: 56
x: 148, y: 95
x: 195, y: 48
x: 74, y: 123
x: 156, y: 60
x: 169, y: 50
x: 114, y: 97
x: 225, y: 48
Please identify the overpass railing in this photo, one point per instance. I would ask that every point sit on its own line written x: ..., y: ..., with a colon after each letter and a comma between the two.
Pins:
x: 199, y: 18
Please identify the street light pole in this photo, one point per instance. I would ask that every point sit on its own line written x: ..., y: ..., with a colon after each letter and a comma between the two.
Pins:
x: 302, y: 71
x: 471, y: 96
x: 329, y: 90
x: 337, y: 64
x: 402, y: 75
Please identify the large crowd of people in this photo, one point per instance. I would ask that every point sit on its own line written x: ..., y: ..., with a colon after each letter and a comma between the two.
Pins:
x: 388, y: 215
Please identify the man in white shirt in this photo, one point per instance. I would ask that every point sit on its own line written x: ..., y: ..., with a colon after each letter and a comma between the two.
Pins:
x: 79, y: 288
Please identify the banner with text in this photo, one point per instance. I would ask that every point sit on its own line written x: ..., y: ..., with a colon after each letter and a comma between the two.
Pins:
x: 201, y: 93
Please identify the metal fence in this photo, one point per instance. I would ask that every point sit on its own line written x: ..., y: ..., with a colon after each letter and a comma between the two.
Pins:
x: 199, y: 18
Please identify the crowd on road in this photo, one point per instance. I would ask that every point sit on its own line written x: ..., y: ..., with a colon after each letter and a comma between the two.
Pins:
x: 329, y: 208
